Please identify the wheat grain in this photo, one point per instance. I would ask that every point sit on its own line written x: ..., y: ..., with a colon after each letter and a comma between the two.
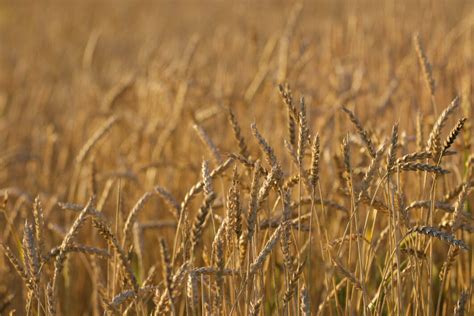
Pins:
x: 460, y: 306
x: 433, y: 232
x: 255, y: 307
x: 434, y: 140
x: 238, y: 134
x: 361, y: 131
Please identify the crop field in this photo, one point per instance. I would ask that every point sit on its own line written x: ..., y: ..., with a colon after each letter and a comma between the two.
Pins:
x: 237, y: 157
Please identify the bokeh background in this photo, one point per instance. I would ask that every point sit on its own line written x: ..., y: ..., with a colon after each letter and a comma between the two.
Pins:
x: 66, y: 66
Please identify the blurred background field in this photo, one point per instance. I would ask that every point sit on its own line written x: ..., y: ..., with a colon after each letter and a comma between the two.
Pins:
x: 163, y: 66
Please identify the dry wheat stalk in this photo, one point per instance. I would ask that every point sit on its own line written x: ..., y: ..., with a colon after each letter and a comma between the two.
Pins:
x: 419, y: 254
x: 392, y: 151
x: 434, y: 232
x: 457, y: 220
x: 284, y: 42
x: 138, y: 246
x: 386, y: 99
x: 349, y: 275
x: 453, y: 134
x: 78, y: 208
x: 427, y: 204
x: 158, y: 224
x: 434, y: 140
x: 213, y: 271
x: 400, y: 206
x: 361, y: 131
x: 271, y: 179
x: 453, y: 252
x: 347, y: 172
x: 315, y: 157
x: 204, y: 209
x: 287, y: 98
x: 198, y: 187
x: 369, y: 175
x: 253, y: 202
x: 6, y: 301
x: 419, y: 155
x: 238, y: 134
x: 208, y: 142
x: 169, y: 199
x: 305, y: 302
x: 425, y: 64
x: 254, y: 309
x: 331, y: 294
x: 243, y: 247
x: 192, y: 291
x: 417, y: 166
x: 132, y: 216
x: 162, y: 301
x: 460, y: 306
x: 121, y: 298
x: 50, y: 298
x: 260, y: 259
x: 291, y: 151
x: 270, y: 154
x: 166, y: 266
x: 106, y: 232
x: 291, y: 182
x: 67, y: 241
x: 93, y: 176
x: 218, y: 249
x: 303, y: 134
x: 77, y: 248
x: 18, y: 267
x: 419, y: 131
x: 292, y: 285
x: 330, y: 204
x: 30, y: 253
x: 349, y: 237
x: 38, y: 215
x: 453, y: 193
x: 286, y: 231
x: 234, y: 208
x: 92, y: 141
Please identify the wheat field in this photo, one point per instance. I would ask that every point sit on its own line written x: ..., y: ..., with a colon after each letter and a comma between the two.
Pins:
x: 236, y: 158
